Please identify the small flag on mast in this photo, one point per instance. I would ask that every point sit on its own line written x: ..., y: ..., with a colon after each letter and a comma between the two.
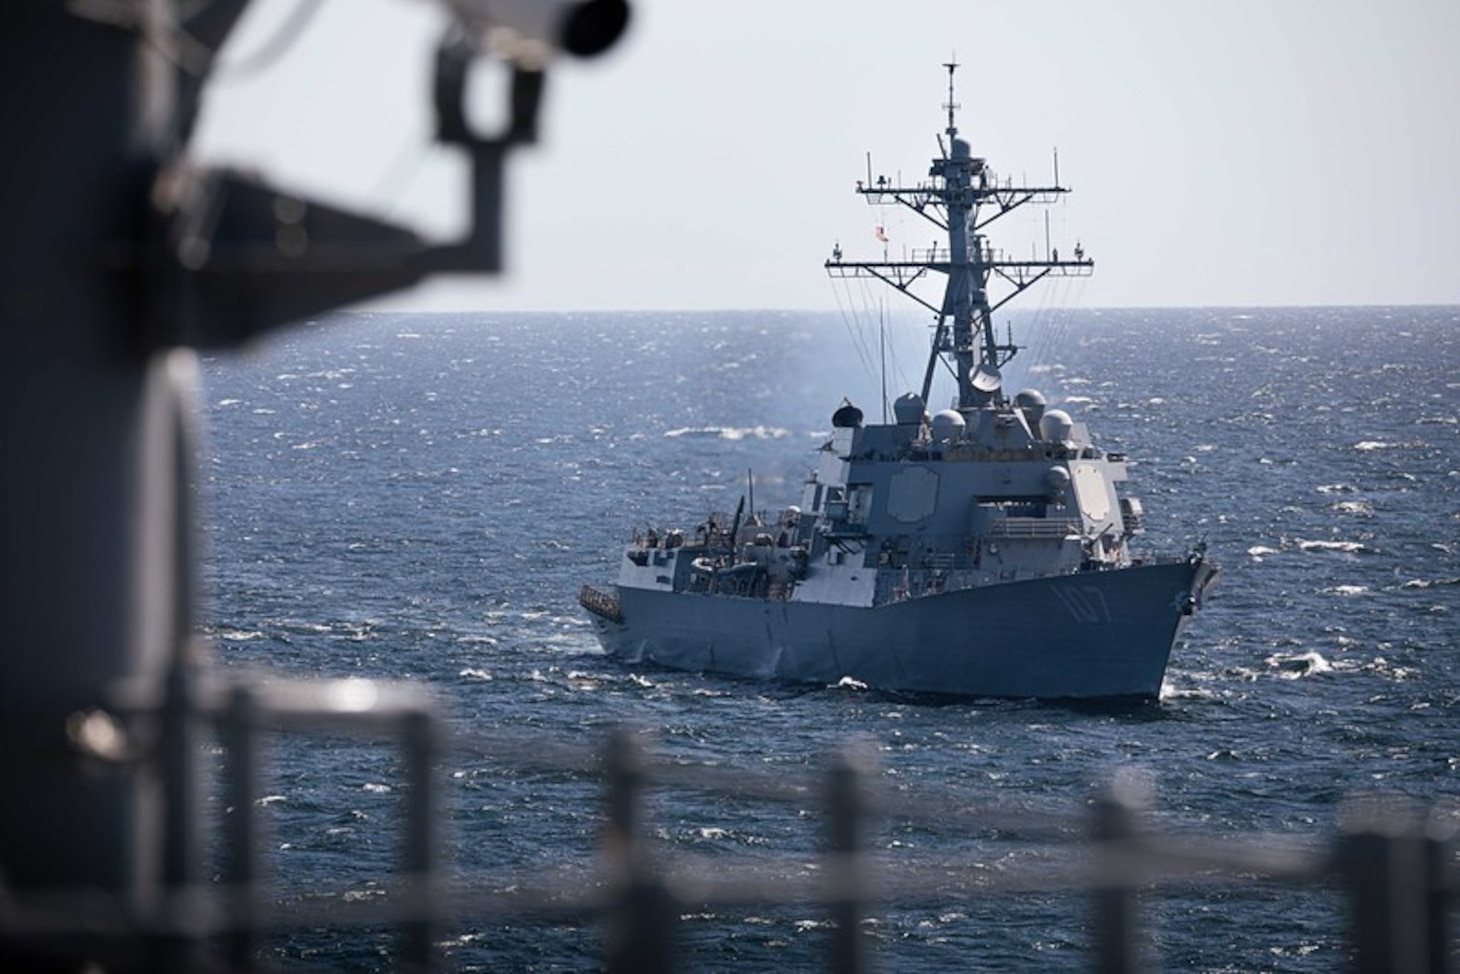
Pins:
x: 882, y: 236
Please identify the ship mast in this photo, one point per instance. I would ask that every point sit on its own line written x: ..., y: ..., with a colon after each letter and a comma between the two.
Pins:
x: 961, y: 198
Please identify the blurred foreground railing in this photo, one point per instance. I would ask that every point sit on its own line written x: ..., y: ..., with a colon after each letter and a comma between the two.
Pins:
x: 1395, y: 862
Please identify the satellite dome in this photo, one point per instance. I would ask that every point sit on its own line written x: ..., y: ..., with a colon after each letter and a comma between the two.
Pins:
x: 1056, y: 426
x: 908, y: 409
x: 1029, y: 397
x: 1031, y: 403
x: 947, y: 425
x: 847, y: 417
x: 1057, y: 480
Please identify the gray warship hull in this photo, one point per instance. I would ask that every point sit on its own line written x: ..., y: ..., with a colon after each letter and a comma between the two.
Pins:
x: 1087, y: 635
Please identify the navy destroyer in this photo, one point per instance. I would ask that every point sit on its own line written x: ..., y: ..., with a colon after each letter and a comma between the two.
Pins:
x: 982, y: 550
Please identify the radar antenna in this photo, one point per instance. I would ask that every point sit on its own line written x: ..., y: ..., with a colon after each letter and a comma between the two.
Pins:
x: 951, y: 105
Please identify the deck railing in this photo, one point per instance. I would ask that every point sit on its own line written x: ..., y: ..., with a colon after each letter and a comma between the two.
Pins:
x: 1395, y: 863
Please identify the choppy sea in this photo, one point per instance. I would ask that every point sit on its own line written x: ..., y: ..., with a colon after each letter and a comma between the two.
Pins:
x: 420, y: 497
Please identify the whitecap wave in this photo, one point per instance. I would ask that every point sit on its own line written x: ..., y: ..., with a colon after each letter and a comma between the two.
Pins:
x: 237, y: 635
x: 1368, y: 445
x: 729, y: 432
x: 1424, y: 583
x: 1295, y: 666
x: 1170, y: 691
x: 1348, y: 547
x: 1393, y: 671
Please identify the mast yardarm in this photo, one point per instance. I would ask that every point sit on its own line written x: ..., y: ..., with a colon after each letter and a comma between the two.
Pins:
x: 961, y: 197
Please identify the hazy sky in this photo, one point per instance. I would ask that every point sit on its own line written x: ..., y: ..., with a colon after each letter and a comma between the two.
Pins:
x: 1243, y: 152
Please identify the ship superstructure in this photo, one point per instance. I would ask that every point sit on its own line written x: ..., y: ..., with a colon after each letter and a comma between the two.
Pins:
x: 981, y: 550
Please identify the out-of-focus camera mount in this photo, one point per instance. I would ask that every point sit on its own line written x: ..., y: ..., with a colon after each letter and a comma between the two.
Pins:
x: 241, y: 256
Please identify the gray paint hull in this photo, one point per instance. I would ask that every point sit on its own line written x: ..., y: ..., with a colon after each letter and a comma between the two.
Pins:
x: 1095, y: 634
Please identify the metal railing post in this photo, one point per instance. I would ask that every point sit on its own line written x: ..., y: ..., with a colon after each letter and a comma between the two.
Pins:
x: 1115, y: 825
x: 1383, y: 860
x: 846, y: 879
x: 1439, y: 852
x: 239, y: 732
x: 642, y: 917
x: 422, y: 910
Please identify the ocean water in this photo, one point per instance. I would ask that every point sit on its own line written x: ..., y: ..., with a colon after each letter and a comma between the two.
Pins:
x: 420, y: 497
